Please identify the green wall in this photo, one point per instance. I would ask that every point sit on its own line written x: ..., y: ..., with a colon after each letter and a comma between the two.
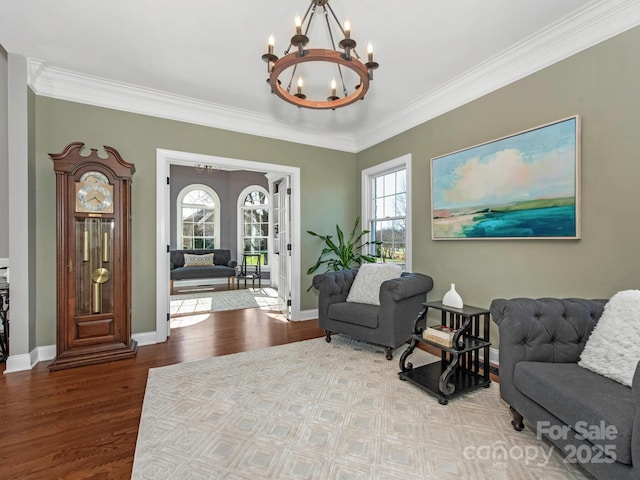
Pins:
x: 601, y: 86
x: 327, y: 190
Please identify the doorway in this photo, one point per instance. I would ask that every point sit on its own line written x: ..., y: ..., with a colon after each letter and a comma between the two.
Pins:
x: 166, y: 158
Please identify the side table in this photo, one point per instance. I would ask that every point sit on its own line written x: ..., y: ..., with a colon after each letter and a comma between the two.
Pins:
x: 460, y: 369
x: 250, y: 268
x: 4, y: 321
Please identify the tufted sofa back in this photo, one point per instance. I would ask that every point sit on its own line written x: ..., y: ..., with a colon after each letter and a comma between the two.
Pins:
x: 220, y: 257
x: 542, y: 330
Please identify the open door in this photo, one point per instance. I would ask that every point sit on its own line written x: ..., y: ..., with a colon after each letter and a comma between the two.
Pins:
x: 284, y: 244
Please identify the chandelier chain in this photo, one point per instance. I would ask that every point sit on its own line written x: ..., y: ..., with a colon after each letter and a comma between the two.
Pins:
x: 333, y: 45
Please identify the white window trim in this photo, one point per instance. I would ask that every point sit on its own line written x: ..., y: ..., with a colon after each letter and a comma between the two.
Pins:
x: 216, y: 215
x: 368, y: 175
x: 240, y: 222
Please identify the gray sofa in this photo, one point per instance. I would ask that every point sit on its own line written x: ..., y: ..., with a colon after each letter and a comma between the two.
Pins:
x: 223, y: 266
x: 595, y: 421
x: 388, y: 325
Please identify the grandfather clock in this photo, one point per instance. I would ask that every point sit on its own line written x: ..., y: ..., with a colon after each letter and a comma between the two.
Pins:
x: 93, y: 272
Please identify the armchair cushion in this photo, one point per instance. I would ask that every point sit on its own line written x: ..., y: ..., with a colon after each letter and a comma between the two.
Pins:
x: 366, y: 285
x: 612, y: 349
x: 355, y: 313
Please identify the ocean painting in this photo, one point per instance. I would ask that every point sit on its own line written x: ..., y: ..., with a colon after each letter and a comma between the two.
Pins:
x: 525, y: 185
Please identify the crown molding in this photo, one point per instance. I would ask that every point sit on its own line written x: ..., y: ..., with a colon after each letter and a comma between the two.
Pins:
x: 596, y: 23
x: 77, y: 87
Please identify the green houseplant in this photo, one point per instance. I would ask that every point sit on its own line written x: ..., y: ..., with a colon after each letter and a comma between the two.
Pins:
x: 342, y: 254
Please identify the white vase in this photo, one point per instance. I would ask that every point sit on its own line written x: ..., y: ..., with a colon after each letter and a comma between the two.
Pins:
x: 452, y: 298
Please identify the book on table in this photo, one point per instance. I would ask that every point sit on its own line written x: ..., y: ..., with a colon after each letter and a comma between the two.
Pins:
x: 440, y: 334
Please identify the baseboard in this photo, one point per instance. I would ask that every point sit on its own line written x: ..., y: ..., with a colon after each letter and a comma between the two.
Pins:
x: 20, y: 363
x: 145, y: 338
x: 308, y: 315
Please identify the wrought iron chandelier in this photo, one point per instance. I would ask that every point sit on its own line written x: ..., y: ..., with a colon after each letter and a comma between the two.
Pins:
x: 346, y: 57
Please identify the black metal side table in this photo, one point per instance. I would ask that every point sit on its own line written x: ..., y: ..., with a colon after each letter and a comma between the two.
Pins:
x: 460, y: 368
x: 4, y: 321
x: 251, y: 269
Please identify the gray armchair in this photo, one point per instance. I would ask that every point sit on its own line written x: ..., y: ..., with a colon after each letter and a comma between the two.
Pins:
x: 388, y: 325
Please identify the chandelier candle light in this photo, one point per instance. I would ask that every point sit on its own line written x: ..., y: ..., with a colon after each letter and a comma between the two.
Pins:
x: 346, y: 57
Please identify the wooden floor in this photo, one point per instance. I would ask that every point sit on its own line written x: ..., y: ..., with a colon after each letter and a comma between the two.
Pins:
x: 82, y: 423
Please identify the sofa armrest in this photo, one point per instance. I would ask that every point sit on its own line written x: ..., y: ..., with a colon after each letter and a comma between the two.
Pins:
x: 232, y: 264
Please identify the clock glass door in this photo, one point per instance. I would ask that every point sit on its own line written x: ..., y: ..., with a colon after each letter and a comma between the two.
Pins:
x: 94, y: 267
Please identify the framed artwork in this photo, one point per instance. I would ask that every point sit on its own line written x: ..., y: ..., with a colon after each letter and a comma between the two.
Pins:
x: 523, y: 186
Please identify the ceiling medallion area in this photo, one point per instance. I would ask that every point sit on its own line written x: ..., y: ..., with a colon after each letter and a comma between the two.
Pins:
x: 346, y: 60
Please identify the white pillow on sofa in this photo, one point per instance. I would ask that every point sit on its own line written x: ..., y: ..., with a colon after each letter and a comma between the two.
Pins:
x: 613, y: 349
x: 366, y: 285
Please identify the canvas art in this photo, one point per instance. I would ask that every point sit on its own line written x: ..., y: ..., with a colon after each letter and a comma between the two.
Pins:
x: 523, y: 186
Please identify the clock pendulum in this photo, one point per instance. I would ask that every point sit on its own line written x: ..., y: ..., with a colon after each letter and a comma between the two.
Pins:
x: 100, y: 274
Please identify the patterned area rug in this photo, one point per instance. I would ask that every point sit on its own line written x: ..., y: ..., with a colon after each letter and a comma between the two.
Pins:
x: 190, y: 303
x: 312, y: 410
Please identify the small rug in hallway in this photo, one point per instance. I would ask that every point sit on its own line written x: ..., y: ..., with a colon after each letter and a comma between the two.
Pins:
x: 189, y: 303
x: 317, y: 410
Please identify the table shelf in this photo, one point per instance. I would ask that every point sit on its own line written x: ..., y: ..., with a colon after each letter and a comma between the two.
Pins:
x: 460, y: 368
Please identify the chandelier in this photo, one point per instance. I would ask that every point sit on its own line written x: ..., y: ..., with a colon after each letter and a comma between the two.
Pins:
x: 205, y: 168
x: 346, y: 57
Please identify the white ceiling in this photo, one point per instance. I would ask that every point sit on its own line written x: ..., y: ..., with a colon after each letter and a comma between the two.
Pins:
x: 199, y: 61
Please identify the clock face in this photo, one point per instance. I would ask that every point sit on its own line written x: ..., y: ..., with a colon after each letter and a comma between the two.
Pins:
x: 94, y: 193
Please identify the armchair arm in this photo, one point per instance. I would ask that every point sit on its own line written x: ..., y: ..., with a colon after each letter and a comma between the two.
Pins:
x: 333, y: 287
x: 635, y: 436
x: 401, y: 300
x: 232, y: 263
x: 407, y: 286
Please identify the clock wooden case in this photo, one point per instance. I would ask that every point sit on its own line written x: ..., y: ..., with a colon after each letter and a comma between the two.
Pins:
x: 93, y: 272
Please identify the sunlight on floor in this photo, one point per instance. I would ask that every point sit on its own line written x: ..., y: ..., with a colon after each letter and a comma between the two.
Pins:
x: 188, y: 320
x: 192, y: 308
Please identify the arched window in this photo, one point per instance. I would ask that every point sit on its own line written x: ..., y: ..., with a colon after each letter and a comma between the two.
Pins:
x: 198, y: 216
x: 253, y: 221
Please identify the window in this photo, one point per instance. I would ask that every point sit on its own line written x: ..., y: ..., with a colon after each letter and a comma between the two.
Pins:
x: 386, y: 212
x: 198, y: 218
x: 253, y: 221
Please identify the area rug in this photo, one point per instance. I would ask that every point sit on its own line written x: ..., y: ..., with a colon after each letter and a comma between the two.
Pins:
x: 313, y: 410
x: 200, y: 302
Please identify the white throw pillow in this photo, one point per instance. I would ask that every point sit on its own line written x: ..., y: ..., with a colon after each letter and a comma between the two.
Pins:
x: 613, y: 349
x: 366, y: 285
x: 198, y: 260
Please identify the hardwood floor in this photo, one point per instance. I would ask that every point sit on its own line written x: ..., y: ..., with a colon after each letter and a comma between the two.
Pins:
x: 82, y: 423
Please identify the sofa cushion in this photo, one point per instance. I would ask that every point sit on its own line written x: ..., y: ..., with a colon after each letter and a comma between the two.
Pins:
x: 612, y: 349
x: 574, y: 394
x: 356, y: 313
x: 202, y: 260
x: 190, y: 273
x: 366, y: 285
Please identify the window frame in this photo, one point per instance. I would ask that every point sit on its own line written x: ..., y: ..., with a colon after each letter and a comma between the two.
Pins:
x: 368, y: 178
x: 240, y: 220
x: 216, y: 212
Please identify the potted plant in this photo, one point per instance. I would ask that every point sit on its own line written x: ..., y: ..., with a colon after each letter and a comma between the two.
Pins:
x: 343, y: 254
